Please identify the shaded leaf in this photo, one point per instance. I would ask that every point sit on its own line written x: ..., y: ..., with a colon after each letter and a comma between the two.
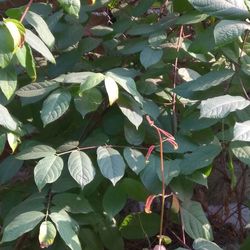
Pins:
x: 72, y: 7
x: 149, y: 56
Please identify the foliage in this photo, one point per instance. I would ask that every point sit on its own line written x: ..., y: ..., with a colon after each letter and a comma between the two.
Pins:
x: 78, y: 79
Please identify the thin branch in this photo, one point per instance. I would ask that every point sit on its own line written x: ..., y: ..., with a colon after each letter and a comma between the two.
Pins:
x: 26, y: 10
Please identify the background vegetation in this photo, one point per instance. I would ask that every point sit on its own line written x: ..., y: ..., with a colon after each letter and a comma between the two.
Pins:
x: 90, y: 91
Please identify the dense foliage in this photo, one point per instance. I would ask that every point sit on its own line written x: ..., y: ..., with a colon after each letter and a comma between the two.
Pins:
x: 79, y: 157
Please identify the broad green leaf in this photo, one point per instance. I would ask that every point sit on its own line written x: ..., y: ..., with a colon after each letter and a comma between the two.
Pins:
x: 191, y: 18
x: 195, y: 222
x: 41, y: 28
x: 37, y: 44
x: 37, y: 89
x: 6, y: 46
x: 112, y: 89
x: 227, y: 31
x: 221, y: 106
x: 22, y: 224
x: 13, y: 140
x: 135, y: 159
x: 114, y: 200
x: 8, y: 81
x: 149, y: 56
x: 91, y: 82
x: 56, y: 104
x: 89, y: 43
x: 188, y: 74
x: 131, y: 109
x: 72, y: 203
x: 242, y: 131
x: 200, y: 158
x: 8, y: 168
x: 111, y: 164
x: 135, y: 226
x: 47, y: 234
x: 26, y: 59
x: 81, y: 168
x: 203, y: 83
x: 133, y: 136
x: 66, y: 231
x: 101, y: 30
x: 141, y: 8
x: 89, y: 101
x: 6, y: 119
x: 36, y: 152
x: 222, y: 8
x: 242, y: 151
x: 202, y: 244
x: 128, y: 84
x: 48, y: 170
x: 74, y: 77
x: 72, y: 7
x: 156, y: 39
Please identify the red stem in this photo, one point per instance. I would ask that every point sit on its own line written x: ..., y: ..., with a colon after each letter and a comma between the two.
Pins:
x: 26, y: 10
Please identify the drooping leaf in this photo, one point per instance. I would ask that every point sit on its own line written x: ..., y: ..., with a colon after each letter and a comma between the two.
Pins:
x: 227, y: 31
x: 37, y: 44
x: 195, y: 222
x: 48, y: 170
x: 111, y: 164
x: 8, y: 168
x: 135, y: 159
x: 56, y: 104
x: 21, y: 224
x: 6, y: 119
x: 222, y: 8
x: 47, y: 234
x: 131, y: 109
x: 37, y: 89
x: 8, y: 81
x: 112, y: 89
x: 81, y: 168
x: 149, y: 56
x: 201, y: 244
x: 36, y: 152
x: 72, y: 7
x: 41, y: 28
x: 242, y: 131
x: 66, y: 231
x: 221, y: 106
x: 89, y: 101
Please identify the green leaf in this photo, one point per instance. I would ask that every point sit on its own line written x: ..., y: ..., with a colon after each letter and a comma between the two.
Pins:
x: 72, y: 7
x: 36, y: 152
x: 200, y: 158
x: 195, y: 222
x: 8, y: 168
x: 149, y: 57
x: 242, y: 131
x: 101, y: 30
x: 241, y: 150
x: 156, y: 39
x: 89, y: 101
x: 74, y: 77
x: 128, y: 84
x: 191, y: 18
x: 114, y: 200
x: 141, y: 8
x: 47, y: 234
x: 133, y: 136
x: 41, y: 28
x: 26, y: 59
x: 135, y: 226
x: 222, y: 8
x: 56, y: 104
x: 8, y: 81
x: 89, y: 43
x: 37, y: 44
x: 6, y: 119
x: 227, y: 31
x: 111, y: 164
x: 112, y: 89
x: 203, y: 83
x: 65, y: 229
x: 81, y: 168
x: 135, y: 159
x: 37, y: 89
x: 2, y: 142
x: 202, y: 244
x: 221, y: 106
x: 22, y: 224
x: 91, y: 82
x: 72, y: 203
x: 48, y: 170
x: 131, y: 110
